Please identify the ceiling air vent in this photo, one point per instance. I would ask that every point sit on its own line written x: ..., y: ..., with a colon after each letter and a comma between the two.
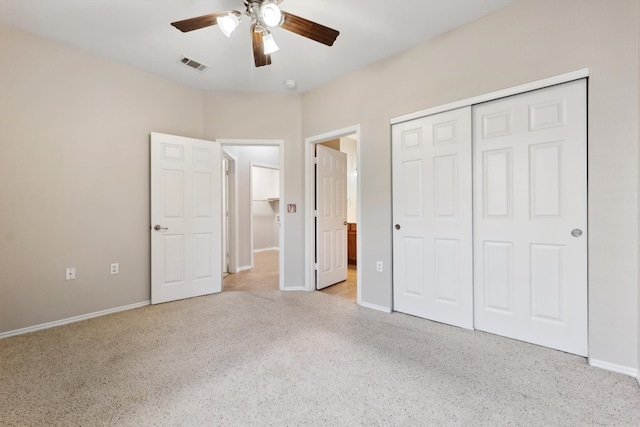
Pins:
x: 193, y: 64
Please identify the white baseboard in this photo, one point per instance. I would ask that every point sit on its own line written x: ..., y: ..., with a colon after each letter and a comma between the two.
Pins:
x: 244, y: 267
x: 632, y: 372
x: 375, y: 307
x: 72, y: 319
x: 295, y: 288
x: 266, y: 249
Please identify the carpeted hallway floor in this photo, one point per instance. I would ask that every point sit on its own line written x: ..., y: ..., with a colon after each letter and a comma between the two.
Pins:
x: 295, y: 358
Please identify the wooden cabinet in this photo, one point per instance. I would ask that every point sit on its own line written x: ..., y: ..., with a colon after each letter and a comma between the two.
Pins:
x: 352, y: 250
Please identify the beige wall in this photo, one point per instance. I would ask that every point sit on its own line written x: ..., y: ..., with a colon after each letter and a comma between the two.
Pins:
x: 528, y: 41
x: 263, y: 116
x: 74, y: 177
x: 74, y: 164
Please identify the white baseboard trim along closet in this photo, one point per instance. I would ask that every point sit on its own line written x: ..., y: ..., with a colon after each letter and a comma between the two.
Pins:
x: 72, y: 319
x: 375, y: 307
x: 632, y: 372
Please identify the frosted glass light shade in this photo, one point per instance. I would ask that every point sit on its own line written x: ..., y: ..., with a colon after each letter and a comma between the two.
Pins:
x: 228, y: 23
x: 269, y: 44
x: 271, y: 15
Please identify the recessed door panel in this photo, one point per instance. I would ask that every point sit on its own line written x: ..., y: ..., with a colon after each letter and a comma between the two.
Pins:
x: 547, y: 115
x: 203, y: 194
x: 447, y: 281
x: 202, y: 255
x: 498, y: 277
x: 413, y: 266
x: 498, y: 195
x: 411, y: 139
x: 445, y: 186
x: 173, y: 254
x: 546, y: 174
x: 172, y: 194
x: 547, y: 282
x: 412, y: 189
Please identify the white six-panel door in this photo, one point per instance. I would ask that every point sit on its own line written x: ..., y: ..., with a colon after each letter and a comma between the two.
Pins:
x: 530, y: 217
x: 331, y: 222
x: 432, y: 236
x: 186, y: 217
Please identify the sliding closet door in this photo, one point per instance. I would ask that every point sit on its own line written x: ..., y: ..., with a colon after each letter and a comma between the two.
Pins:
x: 530, y: 217
x: 432, y: 237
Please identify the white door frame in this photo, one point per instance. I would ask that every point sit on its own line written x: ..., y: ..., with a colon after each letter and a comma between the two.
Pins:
x: 266, y: 142
x: 232, y: 208
x: 310, y: 186
x: 251, y: 166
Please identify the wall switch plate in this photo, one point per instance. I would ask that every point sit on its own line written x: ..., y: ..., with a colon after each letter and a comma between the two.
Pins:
x: 70, y: 273
x: 379, y: 266
x: 115, y: 268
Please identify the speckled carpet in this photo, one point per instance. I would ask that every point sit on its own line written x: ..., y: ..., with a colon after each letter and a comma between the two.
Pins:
x: 283, y: 358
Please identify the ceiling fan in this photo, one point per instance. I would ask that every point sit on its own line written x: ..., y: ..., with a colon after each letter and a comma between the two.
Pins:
x: 264, y: 14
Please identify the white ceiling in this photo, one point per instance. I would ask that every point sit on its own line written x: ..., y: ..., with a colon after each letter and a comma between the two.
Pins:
x: 138, y: 33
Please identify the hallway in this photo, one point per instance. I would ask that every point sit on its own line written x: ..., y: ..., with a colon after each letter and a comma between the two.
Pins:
x: 264, y: 276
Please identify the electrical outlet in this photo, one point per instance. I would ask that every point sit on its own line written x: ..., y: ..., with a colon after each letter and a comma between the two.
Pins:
x: 379, y: 266
x: 70, y: 273
x: 115, y: 268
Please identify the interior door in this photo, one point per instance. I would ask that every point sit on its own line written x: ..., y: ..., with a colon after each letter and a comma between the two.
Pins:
x: 331, y: 221
x: 530, y: 220
x: 432, y: 239
x: 186, y: 217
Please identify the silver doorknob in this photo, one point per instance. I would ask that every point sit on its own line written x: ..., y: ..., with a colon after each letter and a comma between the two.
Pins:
x: 576, y: 232
x: 157, y: 227
x: 345, y: 223
x: 397, y: 226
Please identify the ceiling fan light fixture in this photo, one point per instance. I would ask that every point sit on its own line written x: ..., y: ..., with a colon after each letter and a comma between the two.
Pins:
x: 269, y: 44
x: 228, y: 23
x: 271, y: 14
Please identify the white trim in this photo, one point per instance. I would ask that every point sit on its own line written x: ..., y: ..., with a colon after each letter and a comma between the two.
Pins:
x: 515, y: 90
x: 280, y: 144
x: 626, y: 370
x: 233, y: 213
x: 302, y: 288
x: 72, y: 319
x: 309, y: 217
x: 275, y: 248
x: 375, y: 307
x: 245, y: 267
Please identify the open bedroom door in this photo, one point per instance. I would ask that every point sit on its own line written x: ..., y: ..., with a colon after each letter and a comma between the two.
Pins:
x: 186, y: 217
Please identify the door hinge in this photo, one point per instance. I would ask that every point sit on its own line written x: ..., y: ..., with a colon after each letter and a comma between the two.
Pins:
x: 315, y: 160
x: 316, y: 266
x: 315, y: 214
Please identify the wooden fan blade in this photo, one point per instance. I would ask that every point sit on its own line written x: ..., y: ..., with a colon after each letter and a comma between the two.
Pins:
x: 200, y: 21
x: 259, y: 57
x: 309, y: 29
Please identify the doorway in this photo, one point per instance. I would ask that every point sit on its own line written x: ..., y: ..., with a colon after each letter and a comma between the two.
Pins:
x: 347, y: 143
x: 252, y: 265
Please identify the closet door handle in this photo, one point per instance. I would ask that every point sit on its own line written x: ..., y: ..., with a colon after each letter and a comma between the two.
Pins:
x: 158, y: 227
x: 397, y: 226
